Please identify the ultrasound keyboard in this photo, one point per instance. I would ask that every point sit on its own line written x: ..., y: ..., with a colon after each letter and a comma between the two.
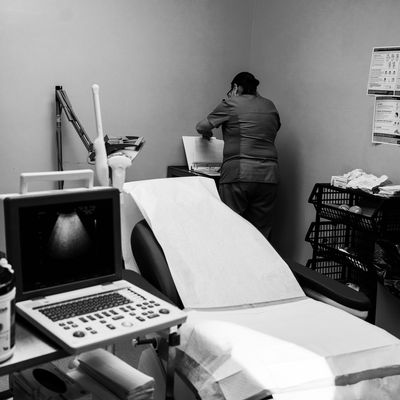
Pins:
x: 88, y: 320
x: 84, y: 306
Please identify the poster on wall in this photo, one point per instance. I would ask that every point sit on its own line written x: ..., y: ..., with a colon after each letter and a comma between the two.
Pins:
x: 386, y: 125
x: 384, y: 72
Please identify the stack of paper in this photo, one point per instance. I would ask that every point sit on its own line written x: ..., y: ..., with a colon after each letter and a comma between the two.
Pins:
x: 118, y: 377
x: 203, y: 156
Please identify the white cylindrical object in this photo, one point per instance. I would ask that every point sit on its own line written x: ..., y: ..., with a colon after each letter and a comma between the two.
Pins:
x: 7, y: 310
x: 7, y: 325
x: 98, y: 144
x: 97, y: 110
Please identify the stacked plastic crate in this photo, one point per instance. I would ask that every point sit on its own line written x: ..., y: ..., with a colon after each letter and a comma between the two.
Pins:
x: 343, y: 236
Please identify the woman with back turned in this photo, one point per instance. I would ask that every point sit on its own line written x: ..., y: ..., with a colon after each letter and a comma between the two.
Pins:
x: 249, y: 173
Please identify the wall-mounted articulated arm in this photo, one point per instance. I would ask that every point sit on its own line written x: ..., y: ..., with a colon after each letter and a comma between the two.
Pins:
x: 63, y: 104
x: 120, y: 151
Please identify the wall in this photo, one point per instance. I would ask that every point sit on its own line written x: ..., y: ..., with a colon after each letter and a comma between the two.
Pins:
x: 161, y: 66
x: 312, y: 58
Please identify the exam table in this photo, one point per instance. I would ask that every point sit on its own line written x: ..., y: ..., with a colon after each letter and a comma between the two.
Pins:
x: 249, y: 344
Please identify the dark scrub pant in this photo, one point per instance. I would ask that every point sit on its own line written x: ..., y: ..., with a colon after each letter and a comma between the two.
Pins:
x: 253, y: 201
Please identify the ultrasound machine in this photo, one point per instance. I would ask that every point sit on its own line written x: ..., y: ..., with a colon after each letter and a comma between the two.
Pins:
x: 65, y: 250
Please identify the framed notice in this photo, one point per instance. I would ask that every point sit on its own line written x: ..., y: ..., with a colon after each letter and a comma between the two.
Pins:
x: 386, y: 125
x: 384, y: 72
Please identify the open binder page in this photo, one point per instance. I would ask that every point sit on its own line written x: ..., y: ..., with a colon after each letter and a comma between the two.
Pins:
x: 203, y: 156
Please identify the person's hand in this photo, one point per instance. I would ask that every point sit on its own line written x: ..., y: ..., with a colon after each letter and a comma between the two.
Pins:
x: 206, y: 134
x: 204, y: 128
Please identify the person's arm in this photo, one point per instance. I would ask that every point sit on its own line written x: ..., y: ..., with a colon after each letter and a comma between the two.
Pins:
x: 213, y: 120
x: 204, y: 128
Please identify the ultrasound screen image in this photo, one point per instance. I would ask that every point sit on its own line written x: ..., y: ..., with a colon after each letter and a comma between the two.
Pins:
x: 65, y: 243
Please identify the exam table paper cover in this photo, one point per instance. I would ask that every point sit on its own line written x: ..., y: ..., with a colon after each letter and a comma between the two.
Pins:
x: 297, y: 350
x: 216, y: 258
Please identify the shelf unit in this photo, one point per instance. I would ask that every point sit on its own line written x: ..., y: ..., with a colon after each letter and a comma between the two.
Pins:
x: 344, y: 242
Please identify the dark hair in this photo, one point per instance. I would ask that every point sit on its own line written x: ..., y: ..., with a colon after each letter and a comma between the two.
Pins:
x: 247, y: 81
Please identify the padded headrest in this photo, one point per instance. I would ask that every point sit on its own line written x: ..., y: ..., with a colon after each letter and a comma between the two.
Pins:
x: 151, y: 261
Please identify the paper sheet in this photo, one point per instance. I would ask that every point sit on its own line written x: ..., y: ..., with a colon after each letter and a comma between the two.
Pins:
x: 386, y: 122
x: 130, y: 216
x: 384, y: 72
x: 202, y: 154
x: 216, y: 258
x: 374, y: 389
x: 288, y: 349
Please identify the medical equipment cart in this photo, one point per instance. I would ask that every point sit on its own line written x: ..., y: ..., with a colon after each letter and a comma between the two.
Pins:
x: 33, y: 348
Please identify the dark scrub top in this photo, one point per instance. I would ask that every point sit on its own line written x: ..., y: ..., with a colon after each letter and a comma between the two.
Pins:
x: 249, y: 127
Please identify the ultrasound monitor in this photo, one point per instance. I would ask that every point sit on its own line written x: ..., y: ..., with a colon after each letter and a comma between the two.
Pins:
x: 63, y: 240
